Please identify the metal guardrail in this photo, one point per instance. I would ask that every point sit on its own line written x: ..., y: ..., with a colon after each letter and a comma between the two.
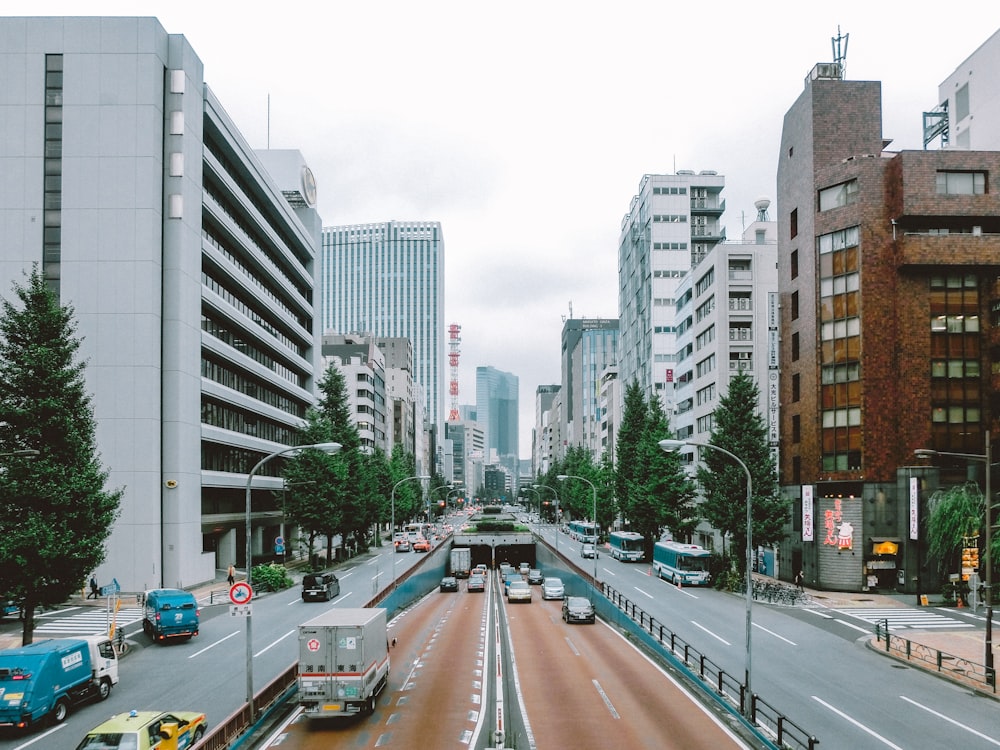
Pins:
x: 954, y: 667
x: 786, y: 732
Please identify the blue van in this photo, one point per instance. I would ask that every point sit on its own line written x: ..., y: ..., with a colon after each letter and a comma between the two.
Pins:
x: 170, y: 613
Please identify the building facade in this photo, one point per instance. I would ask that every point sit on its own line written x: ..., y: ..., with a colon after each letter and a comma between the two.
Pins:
x: 589, y: 347
x: 362, y: 365
x: 673, y: 222
x: 189, y: 260
x: 497, y: 414
x: 388, y: 279
x: 889, y: 341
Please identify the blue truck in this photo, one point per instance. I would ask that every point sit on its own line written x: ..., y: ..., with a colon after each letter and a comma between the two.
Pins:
x: 170, y: 613
x: 45, y: 679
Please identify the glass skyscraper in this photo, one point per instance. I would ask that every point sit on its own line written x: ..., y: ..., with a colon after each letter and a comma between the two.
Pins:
x: 387, y: 279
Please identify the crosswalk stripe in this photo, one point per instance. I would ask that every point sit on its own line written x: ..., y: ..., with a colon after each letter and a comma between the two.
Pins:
x: 86, y: 623
x: 905, y: 618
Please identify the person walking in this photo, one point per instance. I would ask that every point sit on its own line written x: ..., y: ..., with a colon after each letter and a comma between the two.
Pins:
x: 800, y: 580
x: 231, y: 576
x: 94, y: 588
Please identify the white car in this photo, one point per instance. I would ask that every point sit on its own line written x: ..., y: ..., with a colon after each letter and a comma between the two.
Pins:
x: 552, y: 588
x: 519, y: 591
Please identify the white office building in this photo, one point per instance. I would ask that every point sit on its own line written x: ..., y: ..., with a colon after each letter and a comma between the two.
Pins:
x: 387, y: 279
x: 672, y: 223
x: 188, y: 258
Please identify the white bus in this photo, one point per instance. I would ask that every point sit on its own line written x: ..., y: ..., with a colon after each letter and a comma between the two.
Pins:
x: 582, y: 531
x: 681, y: 563
x: 627, y: 545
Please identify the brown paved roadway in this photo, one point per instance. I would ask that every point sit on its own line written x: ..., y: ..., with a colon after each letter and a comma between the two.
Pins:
x: 585, y: 687
x: 432, y: 697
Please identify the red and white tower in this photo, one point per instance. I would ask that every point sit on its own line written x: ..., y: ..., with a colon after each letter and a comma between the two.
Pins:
x: 454, y: 352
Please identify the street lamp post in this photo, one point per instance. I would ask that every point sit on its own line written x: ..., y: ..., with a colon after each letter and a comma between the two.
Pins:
x: 330, y: 448
x: 670, y: 446
x: 392, y: 528
x: 563, y: 478
x: 553, y: 491
x: 987, y: 458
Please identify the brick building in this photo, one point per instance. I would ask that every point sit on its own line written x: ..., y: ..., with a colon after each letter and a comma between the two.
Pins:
x: 887, y: 270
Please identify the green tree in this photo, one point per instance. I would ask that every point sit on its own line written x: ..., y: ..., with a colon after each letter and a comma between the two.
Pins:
x: 627, y: 478
x: 954, y: 515
x: 740, y: 429
x: 666, y: 496
x: 55, y: 513
x: 408, y: 495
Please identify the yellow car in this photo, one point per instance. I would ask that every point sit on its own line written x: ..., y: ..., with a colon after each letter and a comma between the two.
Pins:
x: 145, y: 730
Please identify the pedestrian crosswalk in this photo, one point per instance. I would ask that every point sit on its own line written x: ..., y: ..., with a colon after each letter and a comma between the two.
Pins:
x: 904, y: 617
x: 86, y: 621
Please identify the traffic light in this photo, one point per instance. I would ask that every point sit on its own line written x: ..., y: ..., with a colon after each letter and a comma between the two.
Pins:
x: 168, y: 736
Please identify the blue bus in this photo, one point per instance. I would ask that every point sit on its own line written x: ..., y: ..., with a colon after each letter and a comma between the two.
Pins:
x: 627, y: 545
x: 681, y: 563
x: 582, y: 531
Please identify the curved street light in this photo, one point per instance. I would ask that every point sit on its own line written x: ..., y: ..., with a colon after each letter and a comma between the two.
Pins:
x: 669, y: 446
x: 23, y: 453
x: 563, y: 478
x: 553, y: 491
x: 987, y: 457
x: 331, y: 448
x: 392, y: 528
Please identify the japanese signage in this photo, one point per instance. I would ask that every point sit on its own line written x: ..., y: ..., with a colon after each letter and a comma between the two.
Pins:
x: 914, y: 509
x: 807, y: 513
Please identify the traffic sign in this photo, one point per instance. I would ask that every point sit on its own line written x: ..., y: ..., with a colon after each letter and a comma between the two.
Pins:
x: 240, y: 593
x: 279, y: 549
x: 240, y: 610
x: 279, y: 541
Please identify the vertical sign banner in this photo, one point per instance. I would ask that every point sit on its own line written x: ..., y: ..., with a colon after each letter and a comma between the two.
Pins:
x: 807, y: 513
x: 914, y: 509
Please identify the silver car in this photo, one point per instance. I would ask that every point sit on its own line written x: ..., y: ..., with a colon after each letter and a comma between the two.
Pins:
x: 552, y: 588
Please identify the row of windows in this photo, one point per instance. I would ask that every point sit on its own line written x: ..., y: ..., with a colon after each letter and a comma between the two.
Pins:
x: 245, y: 422
x: 705, y: 309
x: 254, y: 279
x: 220, y: 330
x: 705, y: 282
x: 955, y: 368
x: 670, y: 218
x: 843, y: 194
x: 842, y: 238
x: 705, y: 338
x: 669, y: 191
x: 961, y: 183
x: 672, y: 246
x: 233, y: 460
x: 52, y: 168
x: 705, y: 367
x: 221, y: 373
x: 229, y: 296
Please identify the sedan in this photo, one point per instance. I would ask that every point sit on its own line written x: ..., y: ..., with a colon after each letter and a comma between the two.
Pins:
x: 535, y: 577
x: 509, y: 579
x: 552, y: 588
x: 519, y: 591
x: 143, y: 730
x: 422, y: 545
x: 402, y: 546
x: 476, y: 583
x: 588, y: 550
x: 449, y: 583
x: 577, y: 609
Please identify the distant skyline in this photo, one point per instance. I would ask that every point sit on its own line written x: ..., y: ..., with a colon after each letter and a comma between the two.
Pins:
x: 526, y: 128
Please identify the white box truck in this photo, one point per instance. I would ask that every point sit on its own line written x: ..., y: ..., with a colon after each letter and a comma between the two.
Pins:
x: 461, y: 562
x: 343, y: 662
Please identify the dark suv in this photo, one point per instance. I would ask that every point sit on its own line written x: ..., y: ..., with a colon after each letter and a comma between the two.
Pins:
x: 321, y: 586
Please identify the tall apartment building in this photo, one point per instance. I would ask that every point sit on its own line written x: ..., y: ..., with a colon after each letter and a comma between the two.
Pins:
x: 673, y: 222
x: 727, y: 325
x: 387, y: 279
x: 541, y: 448
x: 589, y: 347
x: 468, y: 444
x: 189, y: 260
x: 406, y: 406
x: 497, y: 402
x: 889, y: 332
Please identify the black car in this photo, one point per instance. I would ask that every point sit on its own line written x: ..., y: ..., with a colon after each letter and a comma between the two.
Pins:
x: 320, y: 587
x: 449, y: 583
x: 577, y: 609
x: 476, y: 583
x: 535, y: 577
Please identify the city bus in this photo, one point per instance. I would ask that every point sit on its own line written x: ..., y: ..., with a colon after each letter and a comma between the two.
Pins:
x: 681, y: 563
x: 582, y: 531
x: 626, y: 545
x: 416, y: 531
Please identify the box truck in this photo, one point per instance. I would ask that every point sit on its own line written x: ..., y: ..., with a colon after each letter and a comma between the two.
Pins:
x: 343, y: 662
x: 43, y: 680
x: 461, y: 562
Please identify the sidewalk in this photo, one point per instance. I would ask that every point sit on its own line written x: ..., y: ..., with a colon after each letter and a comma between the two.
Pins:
x: 956, y: 648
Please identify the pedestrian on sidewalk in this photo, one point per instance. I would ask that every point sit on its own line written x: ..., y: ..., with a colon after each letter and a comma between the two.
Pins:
x: 799, y: 580
x: 94, y: 588
x: 231, y: 576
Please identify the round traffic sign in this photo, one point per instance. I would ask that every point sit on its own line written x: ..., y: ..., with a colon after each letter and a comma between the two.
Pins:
x: 240, y: 593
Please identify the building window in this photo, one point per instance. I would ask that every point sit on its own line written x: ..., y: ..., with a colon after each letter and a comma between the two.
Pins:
x: 796, y: 388
x: 794, y: 270
x: 962, y: 103
x: 793, y: 224
x: 795, y: 305
x: 836, y: 196
x: 961, y: 183
x: 795, y: 347
x: 796, y: 428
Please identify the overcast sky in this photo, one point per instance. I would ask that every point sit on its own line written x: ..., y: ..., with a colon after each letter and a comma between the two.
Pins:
x: 526, y: 127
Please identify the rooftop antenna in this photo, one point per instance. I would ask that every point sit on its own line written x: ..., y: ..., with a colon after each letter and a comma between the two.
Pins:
x: 840, y: 55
